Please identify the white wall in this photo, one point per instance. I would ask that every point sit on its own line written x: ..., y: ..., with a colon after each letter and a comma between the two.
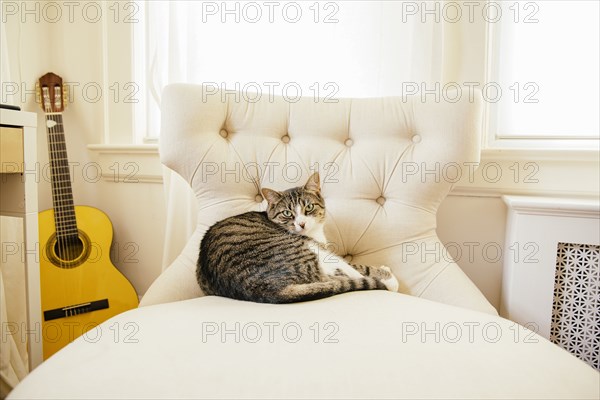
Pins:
x: 473, y: 230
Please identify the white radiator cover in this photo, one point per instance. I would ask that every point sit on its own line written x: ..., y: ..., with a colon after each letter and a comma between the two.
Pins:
x: 551, y: 271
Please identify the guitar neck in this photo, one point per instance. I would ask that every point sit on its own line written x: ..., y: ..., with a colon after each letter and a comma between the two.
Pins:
x: 62, y: 192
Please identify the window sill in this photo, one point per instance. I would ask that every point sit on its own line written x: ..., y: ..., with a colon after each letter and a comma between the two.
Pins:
x: 533, y: 172
x: 543, y: 143
x: 537, y: 154
x: 124, y: 148
x: 128, y: 163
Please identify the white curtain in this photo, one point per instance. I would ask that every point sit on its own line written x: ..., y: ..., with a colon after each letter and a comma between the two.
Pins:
x: 340, y: 49
x: 4, y: 66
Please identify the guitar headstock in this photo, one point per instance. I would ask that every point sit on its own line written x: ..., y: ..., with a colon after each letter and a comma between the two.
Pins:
x: 51, y: 94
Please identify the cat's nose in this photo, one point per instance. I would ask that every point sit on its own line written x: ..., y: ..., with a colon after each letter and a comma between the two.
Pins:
x: 302, y: 224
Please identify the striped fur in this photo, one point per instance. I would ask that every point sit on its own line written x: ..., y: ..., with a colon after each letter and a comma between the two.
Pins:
x: 279, y: 256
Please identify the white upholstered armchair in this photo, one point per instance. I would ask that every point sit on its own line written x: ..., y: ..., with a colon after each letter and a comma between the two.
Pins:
x: 380, y: 161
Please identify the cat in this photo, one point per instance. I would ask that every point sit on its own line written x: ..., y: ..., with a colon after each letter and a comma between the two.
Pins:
x: 280, y: 255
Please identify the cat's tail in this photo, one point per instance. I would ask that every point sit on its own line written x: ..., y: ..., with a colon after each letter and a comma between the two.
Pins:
x: 319, y: 290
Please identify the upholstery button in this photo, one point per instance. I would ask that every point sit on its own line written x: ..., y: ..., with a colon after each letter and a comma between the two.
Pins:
x: 258, y: 198
x: 224, y: 133
x: 348, y: 257
x: 349, y: 142
x: 380, y: 200
x: 416, y: 138
x: 285, y: 139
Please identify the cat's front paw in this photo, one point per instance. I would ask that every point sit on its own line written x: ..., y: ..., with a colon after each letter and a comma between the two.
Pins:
x: 390, y: 281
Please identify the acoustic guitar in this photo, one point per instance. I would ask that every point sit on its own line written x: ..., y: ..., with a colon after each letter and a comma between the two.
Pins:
x: 80, y: 287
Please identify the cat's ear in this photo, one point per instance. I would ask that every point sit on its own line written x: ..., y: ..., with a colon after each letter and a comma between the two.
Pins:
x: 271, y: 195
x: 313, y: 184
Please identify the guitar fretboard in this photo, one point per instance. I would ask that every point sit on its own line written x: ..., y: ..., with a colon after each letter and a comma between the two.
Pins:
x: 62, y: 193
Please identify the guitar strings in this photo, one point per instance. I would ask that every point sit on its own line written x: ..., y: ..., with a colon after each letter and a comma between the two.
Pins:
x: 69, y: 207
x: 52, y: 148
x: 64, y: 195
x: 67, y: 242
x: 53, y: 152
x: 61, y: 181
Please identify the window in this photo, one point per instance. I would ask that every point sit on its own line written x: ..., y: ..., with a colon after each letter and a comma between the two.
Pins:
x: 543, y: 90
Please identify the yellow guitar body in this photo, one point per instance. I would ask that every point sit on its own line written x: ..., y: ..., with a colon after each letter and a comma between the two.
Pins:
x: 83, y: 290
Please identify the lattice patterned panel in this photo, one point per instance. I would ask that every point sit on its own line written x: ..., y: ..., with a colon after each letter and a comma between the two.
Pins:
x: 576, y: 307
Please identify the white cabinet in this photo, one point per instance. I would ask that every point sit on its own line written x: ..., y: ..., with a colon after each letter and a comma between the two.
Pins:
x: 21, y: 311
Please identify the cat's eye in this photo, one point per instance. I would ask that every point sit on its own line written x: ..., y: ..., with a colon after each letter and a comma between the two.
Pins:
x: 287, y: 213
x: 309, y: 207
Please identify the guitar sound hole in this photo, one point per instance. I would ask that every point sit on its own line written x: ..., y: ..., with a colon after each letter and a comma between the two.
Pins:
x: 69, y: 249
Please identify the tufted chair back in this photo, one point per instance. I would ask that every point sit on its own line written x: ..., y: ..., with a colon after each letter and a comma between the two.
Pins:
x: 386, y: 164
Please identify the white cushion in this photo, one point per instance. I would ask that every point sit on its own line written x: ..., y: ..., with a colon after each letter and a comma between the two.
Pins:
x: 372, y: 155
x: 367, y: 345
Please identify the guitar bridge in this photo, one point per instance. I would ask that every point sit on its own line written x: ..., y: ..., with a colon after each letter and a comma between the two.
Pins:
x: 76, y: 309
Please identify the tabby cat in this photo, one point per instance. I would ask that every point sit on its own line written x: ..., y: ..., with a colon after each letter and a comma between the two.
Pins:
x: 280, y: 256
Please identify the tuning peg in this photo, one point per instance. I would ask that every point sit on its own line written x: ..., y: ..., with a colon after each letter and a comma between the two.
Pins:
x: 38, y: 93
x: 65, y: 96
x: 58, y: 100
